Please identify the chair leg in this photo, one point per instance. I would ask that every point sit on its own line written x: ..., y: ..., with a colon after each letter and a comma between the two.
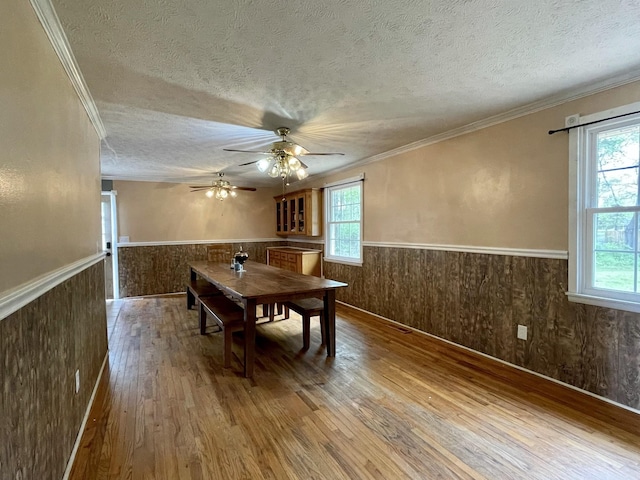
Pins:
x: 322, y: 334
x: 226, y: 354
x: 191, y: 299
x: 202, y: 317
x: 272, y: 311
x: 306, y: 327
x: 286, y: 313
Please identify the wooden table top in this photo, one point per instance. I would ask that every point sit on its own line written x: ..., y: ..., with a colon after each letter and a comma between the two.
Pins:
x: 260, y: 280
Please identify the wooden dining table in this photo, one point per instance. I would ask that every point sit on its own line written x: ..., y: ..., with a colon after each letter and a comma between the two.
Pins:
x: 260, y: 284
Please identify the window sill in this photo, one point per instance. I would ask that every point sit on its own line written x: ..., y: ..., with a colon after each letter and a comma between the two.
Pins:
x: 604, y: 302
x: 353, y: 263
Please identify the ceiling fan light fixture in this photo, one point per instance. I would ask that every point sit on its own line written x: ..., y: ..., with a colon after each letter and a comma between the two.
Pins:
x: 301, y: 173
x: 222, y: 193
x: 263, y: 164
x: 274, y: 171
x: 294, y: 163
x: 210, y: 193
x: 233, y: 193
x: 283, y: 161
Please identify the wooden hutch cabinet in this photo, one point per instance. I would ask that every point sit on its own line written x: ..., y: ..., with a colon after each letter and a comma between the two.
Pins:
x: 299, y: 213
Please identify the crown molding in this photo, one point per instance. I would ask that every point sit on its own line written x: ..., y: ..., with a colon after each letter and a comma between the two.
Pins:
x: 53, y: 28
x: 528, y: 109
x: 13, y: 300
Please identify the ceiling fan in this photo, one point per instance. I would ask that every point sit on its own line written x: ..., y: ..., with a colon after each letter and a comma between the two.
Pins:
x: 220, y: 189
x: 282, y: 160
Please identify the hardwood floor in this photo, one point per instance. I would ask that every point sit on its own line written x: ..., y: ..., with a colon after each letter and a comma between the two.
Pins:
x: 392, y: 404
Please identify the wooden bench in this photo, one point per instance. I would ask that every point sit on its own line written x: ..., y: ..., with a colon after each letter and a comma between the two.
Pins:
x: 228, y: 316
x: 307, y: 308
x: 197, y: 289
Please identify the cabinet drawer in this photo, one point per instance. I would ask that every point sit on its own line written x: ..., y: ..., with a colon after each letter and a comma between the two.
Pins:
x: 273, y: 254
x: 274, y: 262
x: 288, y: 266
x: 291, y: 257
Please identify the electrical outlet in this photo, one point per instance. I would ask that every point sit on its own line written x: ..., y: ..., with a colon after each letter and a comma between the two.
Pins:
x: 522, y: 332
x: 77, y: 381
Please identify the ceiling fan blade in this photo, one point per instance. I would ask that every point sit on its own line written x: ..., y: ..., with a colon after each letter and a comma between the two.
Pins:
x: 304, y: 165
x: 249, y: 163
x: 200, y: 189
x: 245, y: 151
x: 315, y: 153
x: 248, y: 189
x: 200, y: 186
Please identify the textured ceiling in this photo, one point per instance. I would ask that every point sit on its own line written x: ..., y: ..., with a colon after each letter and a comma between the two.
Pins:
x: 176, y: 81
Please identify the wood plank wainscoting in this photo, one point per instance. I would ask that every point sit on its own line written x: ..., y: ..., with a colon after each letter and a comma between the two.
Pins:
x: 164, y: 268
x: 41, y: 346
x: 392, y: 404
x: 477, y: 300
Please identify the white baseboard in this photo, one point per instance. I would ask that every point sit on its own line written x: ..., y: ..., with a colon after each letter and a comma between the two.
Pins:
x: 76, y: 445
x: 489, y: 357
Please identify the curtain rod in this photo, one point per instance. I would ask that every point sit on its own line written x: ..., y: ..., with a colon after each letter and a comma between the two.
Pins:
x: 566, y: 129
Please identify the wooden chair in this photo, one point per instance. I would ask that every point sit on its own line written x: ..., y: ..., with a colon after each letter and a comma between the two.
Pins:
x: 307, y: 308
x: 221, y: 253
x: 227, y: 315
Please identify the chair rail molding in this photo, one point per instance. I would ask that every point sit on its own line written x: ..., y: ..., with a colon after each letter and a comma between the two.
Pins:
x: 512, y: 252
x: 198, y: 242
x: 13, y: 300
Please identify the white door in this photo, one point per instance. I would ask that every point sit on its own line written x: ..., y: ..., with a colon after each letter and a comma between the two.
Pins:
x: 109, y: 245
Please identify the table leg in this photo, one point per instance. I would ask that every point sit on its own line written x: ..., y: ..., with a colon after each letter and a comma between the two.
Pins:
x: 330, y: 321
x: 192, y: 273
x: 249, y: 336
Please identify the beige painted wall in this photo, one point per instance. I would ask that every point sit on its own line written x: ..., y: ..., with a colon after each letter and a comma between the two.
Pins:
x: 49, y: 156
x: 155, y: 212
x: 503, y: 186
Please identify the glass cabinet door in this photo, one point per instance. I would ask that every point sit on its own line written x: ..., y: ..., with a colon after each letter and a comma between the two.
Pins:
x: 278, y: 217
x: 301, y: 213
x: 292, y: 213
x: 285, y: 216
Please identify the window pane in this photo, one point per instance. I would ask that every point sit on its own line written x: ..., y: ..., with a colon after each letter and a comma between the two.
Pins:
x: 354, y: 249
x: 354, y: 232
x: 618, y: 188
x: 343, y: 222
x: 614, y: 271
x: 618, y: 148
x: 618, y: 152
x: 614, y: 231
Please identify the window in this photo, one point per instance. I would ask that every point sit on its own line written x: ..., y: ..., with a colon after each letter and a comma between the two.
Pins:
x: 604, y: 256
x: 343, y: 225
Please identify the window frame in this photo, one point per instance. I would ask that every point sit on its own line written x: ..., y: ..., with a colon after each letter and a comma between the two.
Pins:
x: 582, y: 210
x: 328, y: 189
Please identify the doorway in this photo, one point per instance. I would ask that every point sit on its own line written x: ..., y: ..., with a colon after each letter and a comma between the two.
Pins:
x: 109, y: 244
